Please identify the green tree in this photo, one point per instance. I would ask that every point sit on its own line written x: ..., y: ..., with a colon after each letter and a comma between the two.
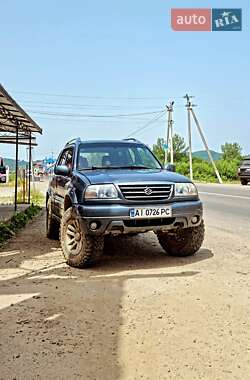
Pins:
x: 231, y: 151
x: 158, y: 149
x: 179, y: 147
x: 202, y: 169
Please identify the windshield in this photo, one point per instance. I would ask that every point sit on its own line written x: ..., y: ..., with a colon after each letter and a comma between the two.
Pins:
x: 246, y: 162
x: 115, y: 155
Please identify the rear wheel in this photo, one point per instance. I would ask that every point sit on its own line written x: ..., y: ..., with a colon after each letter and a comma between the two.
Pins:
x: 52, y: 225
x: 79, y: 249
x: 182, y: 242
x: 244, y: 182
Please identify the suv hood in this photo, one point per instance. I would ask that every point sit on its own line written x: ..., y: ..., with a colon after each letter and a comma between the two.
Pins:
x: 127, y: 175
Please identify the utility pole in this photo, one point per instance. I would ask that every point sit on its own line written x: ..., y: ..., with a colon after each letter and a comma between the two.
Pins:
x: 206, y: 146
x: 169, y: 137
x: 190, y: 106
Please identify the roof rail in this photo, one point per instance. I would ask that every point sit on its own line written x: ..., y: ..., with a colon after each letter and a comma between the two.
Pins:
x: 77, y: 139
x: 131, y: 139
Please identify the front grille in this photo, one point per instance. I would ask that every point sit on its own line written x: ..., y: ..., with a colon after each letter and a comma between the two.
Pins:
x: 153, y: 192
x: 245, y: 170
x: 148, y: 222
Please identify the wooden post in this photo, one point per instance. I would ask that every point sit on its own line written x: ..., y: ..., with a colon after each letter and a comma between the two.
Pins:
x: 29, y: 174
x: 16, y: 176
x: 23, y: 184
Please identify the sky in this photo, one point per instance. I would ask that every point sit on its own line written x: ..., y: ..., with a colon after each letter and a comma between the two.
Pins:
x: 64, y: 60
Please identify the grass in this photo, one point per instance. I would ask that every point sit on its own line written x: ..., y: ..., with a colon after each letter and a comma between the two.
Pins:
x: 36, y: 197
x: 18, y: 221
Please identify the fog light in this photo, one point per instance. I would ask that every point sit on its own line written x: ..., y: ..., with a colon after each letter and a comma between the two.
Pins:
x: 93, y: 226
x: 195, y: 219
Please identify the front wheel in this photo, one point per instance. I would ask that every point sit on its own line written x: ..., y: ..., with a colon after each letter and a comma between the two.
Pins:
x: 79, y: 249
x: 182, y: 242
x: 243, y: 182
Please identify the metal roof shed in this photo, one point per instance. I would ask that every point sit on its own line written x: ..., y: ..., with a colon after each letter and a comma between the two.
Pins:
x: 14, y: 119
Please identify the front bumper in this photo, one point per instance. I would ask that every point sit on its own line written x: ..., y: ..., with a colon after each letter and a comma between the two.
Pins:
x: 114, y: 218
x: 244, y: 176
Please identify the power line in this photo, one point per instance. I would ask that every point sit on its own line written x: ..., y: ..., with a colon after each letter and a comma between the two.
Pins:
x: 156, y: 122
x: 91, y: 120
x: 237, y: 97
x: 87, y: 96
x: 156, y: 118
x: 77, y: 105
x: 92, y: 115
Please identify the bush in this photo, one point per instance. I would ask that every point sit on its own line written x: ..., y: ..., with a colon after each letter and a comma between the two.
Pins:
x: 182, y: 167
x: 18, y: 221
x: 203, y: 170
x: 228, y: 169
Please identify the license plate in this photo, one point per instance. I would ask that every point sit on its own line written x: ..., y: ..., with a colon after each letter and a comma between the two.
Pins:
x: 150, y: 212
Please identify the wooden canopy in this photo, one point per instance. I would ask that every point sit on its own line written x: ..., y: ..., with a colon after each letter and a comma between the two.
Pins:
x: 13, y: 117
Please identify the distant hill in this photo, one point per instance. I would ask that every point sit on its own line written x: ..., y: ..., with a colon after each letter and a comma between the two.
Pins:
x: 12, y: 163
x: 22, y: 164
x: 204, y: 156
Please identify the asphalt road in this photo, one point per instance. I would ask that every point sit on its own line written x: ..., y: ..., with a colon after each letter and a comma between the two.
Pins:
x: 227, y: 207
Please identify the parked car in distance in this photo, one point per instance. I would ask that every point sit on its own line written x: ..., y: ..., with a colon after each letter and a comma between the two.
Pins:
x: 102, y: 188
x: 3, y: 175
x: 244, y: 171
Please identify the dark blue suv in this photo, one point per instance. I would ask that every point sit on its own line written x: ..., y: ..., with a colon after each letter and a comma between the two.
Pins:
x: 104, y: 188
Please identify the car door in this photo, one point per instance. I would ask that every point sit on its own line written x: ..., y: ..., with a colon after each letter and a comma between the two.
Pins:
x: 66, y: 159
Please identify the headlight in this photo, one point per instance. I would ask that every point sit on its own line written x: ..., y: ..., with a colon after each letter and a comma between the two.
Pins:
x: 185, y: 190
x: 101, y: 192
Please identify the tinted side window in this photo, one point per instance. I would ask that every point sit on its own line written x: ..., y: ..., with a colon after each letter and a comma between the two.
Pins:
x: 2, y: 169
x: 66, y: 158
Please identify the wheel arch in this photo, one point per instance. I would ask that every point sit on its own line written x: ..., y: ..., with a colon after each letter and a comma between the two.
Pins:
x: 67, y: 202
x: 48, y: 195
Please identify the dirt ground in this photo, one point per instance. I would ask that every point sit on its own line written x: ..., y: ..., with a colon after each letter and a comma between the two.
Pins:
x: 138, y: 315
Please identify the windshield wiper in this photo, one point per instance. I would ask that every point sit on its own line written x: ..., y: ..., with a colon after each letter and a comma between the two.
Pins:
x: 115, y: 167
x: 90, y: 168
x: 133, y: 167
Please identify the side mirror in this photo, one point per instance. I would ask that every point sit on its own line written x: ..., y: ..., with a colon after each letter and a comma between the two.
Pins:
x: 170, y: 167
x: 62, y: 170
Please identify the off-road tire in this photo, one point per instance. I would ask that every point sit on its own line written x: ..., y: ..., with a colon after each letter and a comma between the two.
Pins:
x: 243, y: 182
x: 182, y: 242
x: 52, y: 225
x: 89, y: 248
